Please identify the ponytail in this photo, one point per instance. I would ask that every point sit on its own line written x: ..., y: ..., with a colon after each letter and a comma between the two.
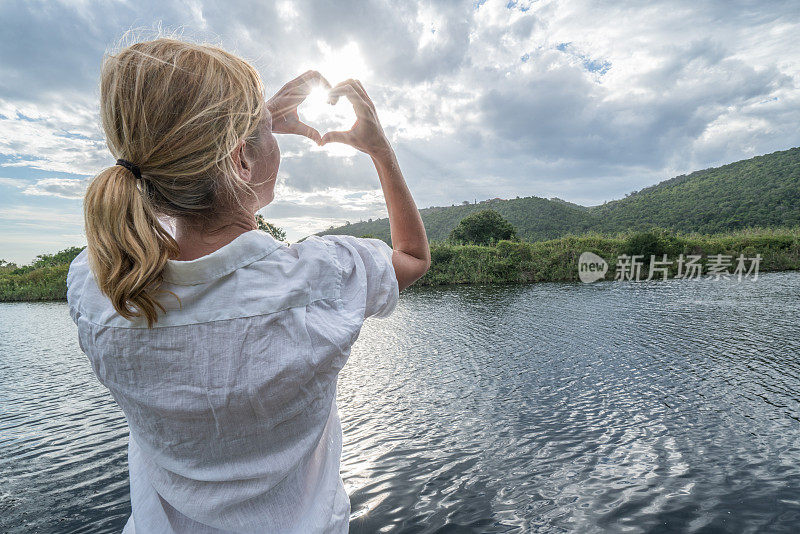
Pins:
x: 128, y: 247
x: 178, y: 110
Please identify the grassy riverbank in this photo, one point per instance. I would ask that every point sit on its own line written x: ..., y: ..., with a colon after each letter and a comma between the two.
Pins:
x: 44, y: 279
x: 555, y: 260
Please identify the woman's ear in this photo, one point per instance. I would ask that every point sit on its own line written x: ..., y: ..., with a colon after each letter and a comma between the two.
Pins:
x: 240, y: 162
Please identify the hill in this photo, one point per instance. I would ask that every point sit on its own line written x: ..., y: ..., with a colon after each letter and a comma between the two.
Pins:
x: 763, y: 191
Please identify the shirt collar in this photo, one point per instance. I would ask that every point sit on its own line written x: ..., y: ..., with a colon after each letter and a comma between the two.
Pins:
x: 244, y: 250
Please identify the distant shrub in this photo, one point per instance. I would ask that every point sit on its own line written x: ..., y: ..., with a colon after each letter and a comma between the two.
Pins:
x: 275, y: 231
x: 44, y: 283
x: 485, y: 227
x: 556, y: 260
x: 655, y: 242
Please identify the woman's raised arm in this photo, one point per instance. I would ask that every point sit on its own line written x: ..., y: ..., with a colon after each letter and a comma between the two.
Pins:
x: 411, y: 256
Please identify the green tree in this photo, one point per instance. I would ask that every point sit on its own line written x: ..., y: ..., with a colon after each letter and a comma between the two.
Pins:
x: 61, y: 257
x: 484, y: 227
x: 7, y: 266
x: 275, y: 231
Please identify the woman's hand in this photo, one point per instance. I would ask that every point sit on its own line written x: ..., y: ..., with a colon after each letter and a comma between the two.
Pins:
x: 283, y: 106
x: 366, y: 134
x: 411, y: 258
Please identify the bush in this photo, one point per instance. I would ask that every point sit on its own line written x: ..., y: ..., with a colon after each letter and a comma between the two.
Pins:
x: 556, y: 260
x: 656, y: 242
x: 44, y: 279
x: 275, y: 231
x: 45, y: 283
x: 485, y: 227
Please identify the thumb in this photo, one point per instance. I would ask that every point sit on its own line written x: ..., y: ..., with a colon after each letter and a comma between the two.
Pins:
x: 307, y: 131
x: 336, y: 137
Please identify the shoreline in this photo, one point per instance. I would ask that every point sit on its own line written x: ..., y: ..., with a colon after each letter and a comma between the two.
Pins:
x: 511, y: 262
x: 478, y: 284
x: 557, y: 260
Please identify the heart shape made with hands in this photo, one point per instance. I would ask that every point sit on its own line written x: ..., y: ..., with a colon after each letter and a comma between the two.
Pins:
x: 317, y: 112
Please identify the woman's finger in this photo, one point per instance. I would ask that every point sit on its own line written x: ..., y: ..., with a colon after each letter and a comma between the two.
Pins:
x: 363, y: 92
x: 309, y: 79
x: 333, y: 99
x: 336, y: 91
x: 282, y: 108
x: 336, y: 137
x: 347, y: 90
x: 307, y: 131
x: 321, y: 80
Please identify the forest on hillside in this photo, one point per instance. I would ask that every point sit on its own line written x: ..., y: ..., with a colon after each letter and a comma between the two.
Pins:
x: 763, y: 191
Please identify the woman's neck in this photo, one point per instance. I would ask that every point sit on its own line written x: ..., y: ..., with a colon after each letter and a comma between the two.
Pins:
x: 196, y: 241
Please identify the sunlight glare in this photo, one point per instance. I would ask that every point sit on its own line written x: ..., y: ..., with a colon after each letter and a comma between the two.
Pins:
x: 316, y: 111
x: 336, y: 65
x: 339, y: 65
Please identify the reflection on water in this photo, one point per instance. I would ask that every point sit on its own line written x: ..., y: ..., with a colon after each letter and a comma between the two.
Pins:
x: 666, y: 406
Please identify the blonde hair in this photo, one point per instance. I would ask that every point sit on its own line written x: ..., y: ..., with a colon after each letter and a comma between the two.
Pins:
x: 177, y: 110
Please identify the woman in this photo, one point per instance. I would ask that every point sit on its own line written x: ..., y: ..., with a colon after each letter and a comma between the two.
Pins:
x: 221, y: 344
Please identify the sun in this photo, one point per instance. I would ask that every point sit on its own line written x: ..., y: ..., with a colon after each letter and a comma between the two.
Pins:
x: 316, y: 110
x: 340, y: 64
x: 336, y: 65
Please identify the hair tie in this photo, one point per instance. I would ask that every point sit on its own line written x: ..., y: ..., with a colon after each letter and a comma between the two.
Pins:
x: 131, y: 167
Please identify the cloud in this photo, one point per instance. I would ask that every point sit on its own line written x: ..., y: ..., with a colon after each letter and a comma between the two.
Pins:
x: 51, y: 137
x: 59, y: 187
x: 21, y: 212
x: 13, y: 182
x: 583, y: 100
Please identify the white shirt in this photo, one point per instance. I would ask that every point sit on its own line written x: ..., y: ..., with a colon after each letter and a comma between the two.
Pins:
x: 231, y: 397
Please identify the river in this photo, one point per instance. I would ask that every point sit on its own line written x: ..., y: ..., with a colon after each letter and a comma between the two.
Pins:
x: 669, y: 406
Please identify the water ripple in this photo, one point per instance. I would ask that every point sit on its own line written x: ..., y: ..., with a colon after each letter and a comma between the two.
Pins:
x: 632, y: 407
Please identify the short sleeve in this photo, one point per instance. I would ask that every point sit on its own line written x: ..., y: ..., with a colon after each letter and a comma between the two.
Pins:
x: 368, y: 277
x: 76, y: 277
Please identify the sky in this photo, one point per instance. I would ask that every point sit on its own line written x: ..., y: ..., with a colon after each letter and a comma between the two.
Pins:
x: 584, y: 101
